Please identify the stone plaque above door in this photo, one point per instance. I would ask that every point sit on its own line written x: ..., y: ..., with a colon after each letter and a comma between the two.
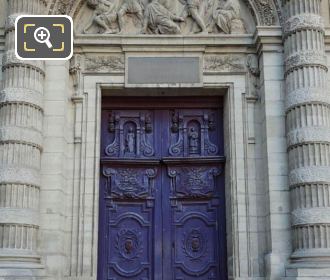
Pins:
x: 174, y: 71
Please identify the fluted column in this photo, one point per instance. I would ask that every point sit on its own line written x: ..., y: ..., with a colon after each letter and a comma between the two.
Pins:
x: 21, y: 116
x: 308, y: 132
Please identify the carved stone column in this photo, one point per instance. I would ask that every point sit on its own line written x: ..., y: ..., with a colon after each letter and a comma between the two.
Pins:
x: 308, y: 133
x: 21, y: 117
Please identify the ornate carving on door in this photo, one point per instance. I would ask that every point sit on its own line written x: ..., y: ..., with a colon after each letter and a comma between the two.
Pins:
x: 162, y: 194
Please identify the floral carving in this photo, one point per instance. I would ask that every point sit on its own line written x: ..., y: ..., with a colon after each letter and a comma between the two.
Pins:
x: 105, y: 64
x: 266, y: 12
x: 226, y: 63
x: 193, y: 181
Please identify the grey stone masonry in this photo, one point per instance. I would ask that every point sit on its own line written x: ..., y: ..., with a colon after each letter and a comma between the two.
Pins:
x: 21, y: 116
x: 308, y: 132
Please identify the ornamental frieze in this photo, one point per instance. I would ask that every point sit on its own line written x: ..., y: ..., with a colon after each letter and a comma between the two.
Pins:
x: 104, y: 64
x: 304, y: 59
x: 224, y: 63
x: 164, y: 17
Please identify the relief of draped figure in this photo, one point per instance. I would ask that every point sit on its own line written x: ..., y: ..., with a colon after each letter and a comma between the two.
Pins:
x: 227, y: 17
x: 166, y: 17
x: 159, y: 20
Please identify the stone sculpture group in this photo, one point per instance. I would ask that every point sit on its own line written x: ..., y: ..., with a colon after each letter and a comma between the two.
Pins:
x: 161, y: 17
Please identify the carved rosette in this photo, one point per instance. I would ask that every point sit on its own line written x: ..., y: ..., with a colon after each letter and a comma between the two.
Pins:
x: 129, y: 244
x: 308, y: 137
x: 21, y: 116
x: 194, y: 245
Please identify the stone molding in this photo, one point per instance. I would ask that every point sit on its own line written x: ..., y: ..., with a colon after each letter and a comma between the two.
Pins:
x: 311, y: 216
x: 298, y: 136
x: 10, y: 59
x: 22, y: 96
x: 21, y: 135
x: 303, y: 96
x: 308, y: 175
x: 20, y: 216
x: 305, y: 58
x: 19, y: 175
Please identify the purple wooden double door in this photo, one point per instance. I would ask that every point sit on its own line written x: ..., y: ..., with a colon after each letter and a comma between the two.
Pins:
x: 162, y: 199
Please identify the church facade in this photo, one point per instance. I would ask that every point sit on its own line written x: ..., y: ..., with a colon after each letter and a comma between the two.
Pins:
x: 184, y: 139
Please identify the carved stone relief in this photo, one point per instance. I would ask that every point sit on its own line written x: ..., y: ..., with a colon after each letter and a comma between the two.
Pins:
x: 163, y: 17
x: 104, y: 64
x: 265, y: 12
x: 224, y: 63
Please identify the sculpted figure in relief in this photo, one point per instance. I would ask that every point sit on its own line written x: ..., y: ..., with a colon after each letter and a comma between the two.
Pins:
x: 214, y: 16
x: 130, y: 7
x: 192, y: 7
x: 159, y: 20
x: 227, y: 17
x: 104, y: 15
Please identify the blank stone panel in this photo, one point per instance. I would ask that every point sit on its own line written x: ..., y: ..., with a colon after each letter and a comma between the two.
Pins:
x: 164, y: 70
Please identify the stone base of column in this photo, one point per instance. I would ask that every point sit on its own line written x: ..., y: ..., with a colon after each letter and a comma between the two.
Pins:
x: 17, y: 271
x: 294, y: 272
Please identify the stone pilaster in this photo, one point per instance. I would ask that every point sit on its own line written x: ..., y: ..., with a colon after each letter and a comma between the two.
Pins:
x: 308, y: 134
x: 21, y: 116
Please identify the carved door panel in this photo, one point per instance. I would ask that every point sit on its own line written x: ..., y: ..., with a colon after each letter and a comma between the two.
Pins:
x: 162, y: 194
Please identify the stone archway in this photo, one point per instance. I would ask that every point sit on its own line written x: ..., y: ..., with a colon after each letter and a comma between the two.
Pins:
x: 265, y: 12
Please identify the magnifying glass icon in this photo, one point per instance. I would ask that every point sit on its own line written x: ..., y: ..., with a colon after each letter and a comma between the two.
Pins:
x: 42, y: 35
